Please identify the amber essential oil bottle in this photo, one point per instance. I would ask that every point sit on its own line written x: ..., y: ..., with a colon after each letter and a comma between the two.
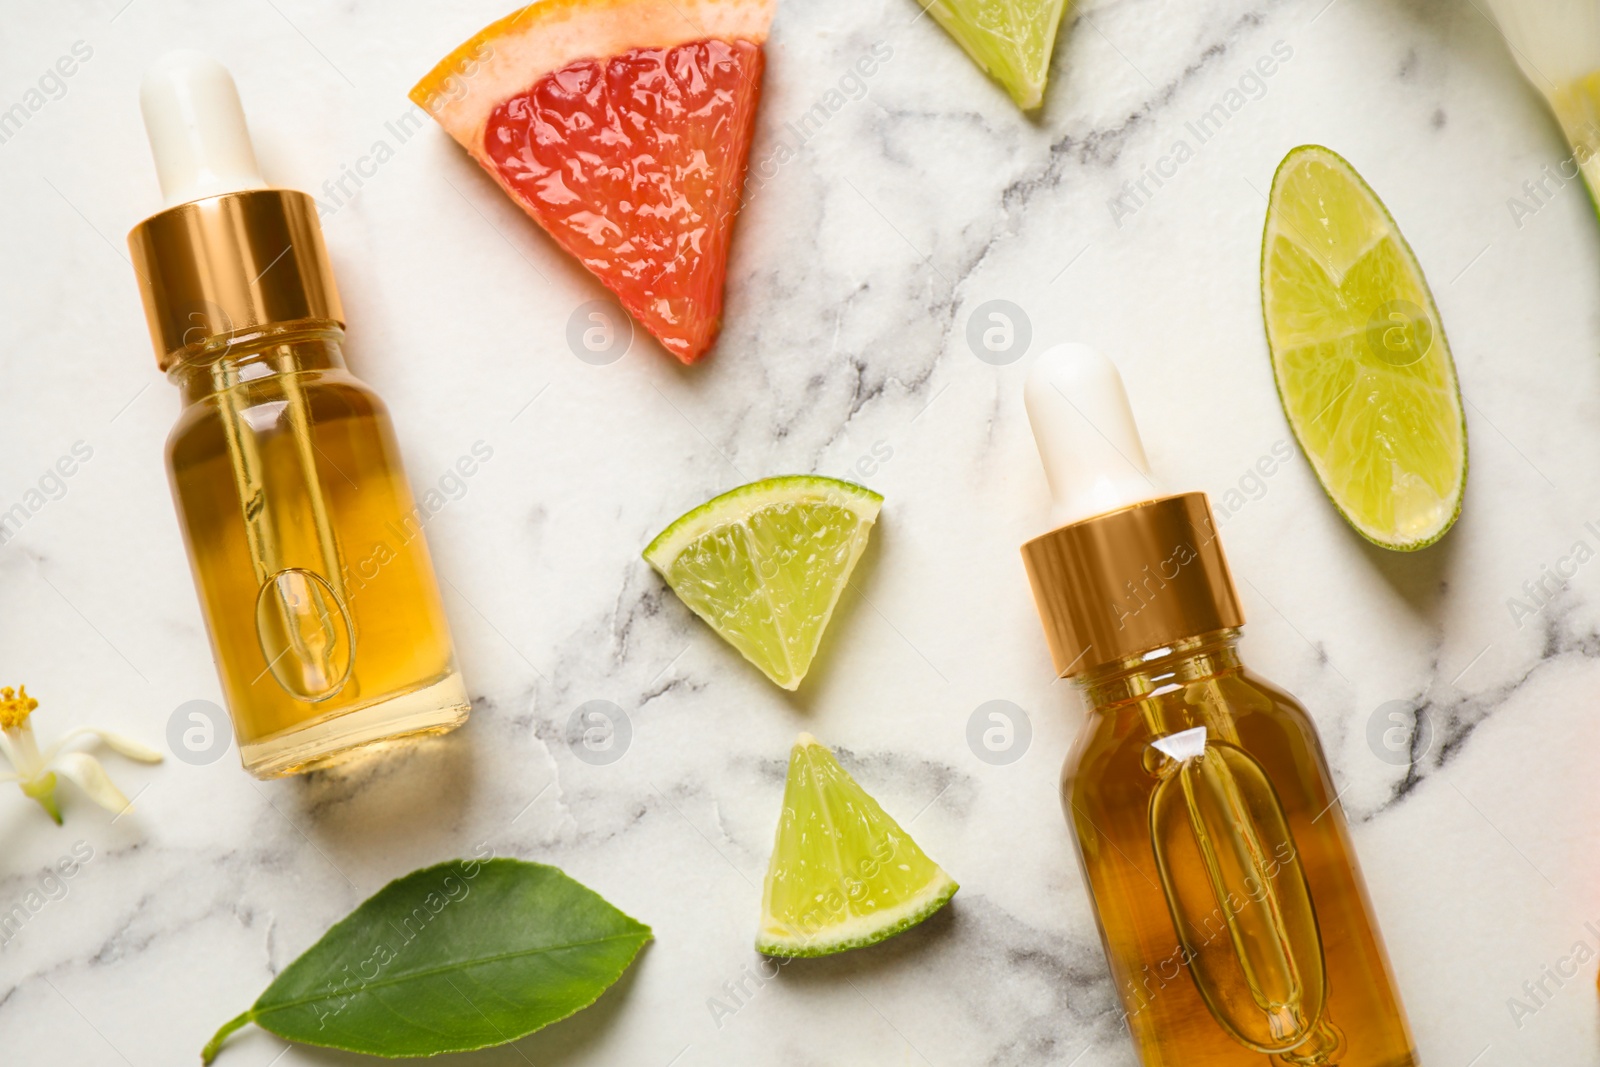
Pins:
x: 306, y: 546
x: 1226, y: 889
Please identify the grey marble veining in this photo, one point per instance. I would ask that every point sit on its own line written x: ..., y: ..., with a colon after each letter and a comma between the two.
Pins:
x: 866, y: 247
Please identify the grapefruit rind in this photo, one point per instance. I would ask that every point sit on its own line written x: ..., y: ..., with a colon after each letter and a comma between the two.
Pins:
x: 507, y: 56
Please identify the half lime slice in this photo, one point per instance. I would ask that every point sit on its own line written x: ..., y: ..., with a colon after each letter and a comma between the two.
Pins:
x: 843, y: 874
x: 764, y: 565
x: 1362, y: 364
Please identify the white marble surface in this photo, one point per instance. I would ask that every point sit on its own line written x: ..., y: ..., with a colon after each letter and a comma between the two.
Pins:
x: 856, y: 268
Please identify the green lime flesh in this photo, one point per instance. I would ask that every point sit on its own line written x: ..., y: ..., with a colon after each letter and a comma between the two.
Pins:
x: 843, y: 873
x: 1010, y: 40
x: 765, y: 564
x: 1359, y: 353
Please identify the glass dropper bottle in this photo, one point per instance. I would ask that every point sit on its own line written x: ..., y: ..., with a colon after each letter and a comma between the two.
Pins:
x: 1225, y: 886
x: 307, y: 549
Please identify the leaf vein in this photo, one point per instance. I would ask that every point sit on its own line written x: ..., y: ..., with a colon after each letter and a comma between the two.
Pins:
x: 379, y: 983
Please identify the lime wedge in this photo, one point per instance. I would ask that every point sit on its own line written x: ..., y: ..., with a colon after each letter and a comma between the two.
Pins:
x: 843, y: 874
x: 1363, y: 368
x: 1011, y: 40
x: 764, y: 564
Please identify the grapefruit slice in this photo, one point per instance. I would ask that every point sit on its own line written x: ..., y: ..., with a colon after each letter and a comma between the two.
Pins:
x: 622, y: 127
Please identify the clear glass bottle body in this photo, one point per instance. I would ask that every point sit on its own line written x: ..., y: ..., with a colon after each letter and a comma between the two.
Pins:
x: 1228, y: 897
x: 308, y: 553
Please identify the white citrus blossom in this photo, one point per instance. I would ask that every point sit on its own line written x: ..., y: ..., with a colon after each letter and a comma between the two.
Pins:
x: 1554, y: 41
x: 36, y: 771
x: 1557, y: 45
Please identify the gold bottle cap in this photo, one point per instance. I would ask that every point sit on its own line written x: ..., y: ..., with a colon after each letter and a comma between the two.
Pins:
x: 1129, y: 581
x: 231, y: 263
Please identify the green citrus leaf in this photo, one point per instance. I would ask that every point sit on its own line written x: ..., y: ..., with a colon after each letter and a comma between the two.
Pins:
x: 458, y: 956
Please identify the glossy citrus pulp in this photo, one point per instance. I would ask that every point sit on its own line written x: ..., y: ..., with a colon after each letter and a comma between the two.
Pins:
x: 622, y: 127
x: 765, y: 564
x: 1363, y: 368
x: 843, y: 873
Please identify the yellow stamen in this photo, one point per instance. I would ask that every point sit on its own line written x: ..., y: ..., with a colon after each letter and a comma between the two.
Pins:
x: 15, y: 707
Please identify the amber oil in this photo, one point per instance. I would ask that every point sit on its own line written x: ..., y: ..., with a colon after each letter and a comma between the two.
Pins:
x: 307, y: 551
x: 1233, y: 914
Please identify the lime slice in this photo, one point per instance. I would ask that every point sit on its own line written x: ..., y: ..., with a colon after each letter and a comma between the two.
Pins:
x: 1363, y: 368
x: 843, y: 874
x: 1011, y: 40
x: 764, y: 564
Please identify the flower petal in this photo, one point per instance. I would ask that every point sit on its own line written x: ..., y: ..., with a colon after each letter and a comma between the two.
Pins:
x: 22, y: 750
x: 125, y: 746
x: 86, y: 771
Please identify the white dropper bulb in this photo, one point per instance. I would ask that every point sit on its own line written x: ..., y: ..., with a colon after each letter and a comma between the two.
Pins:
x: 196, y: 128
x: 1093, y: 458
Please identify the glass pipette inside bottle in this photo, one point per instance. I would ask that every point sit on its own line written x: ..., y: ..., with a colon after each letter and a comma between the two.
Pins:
x: 202, y: 149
